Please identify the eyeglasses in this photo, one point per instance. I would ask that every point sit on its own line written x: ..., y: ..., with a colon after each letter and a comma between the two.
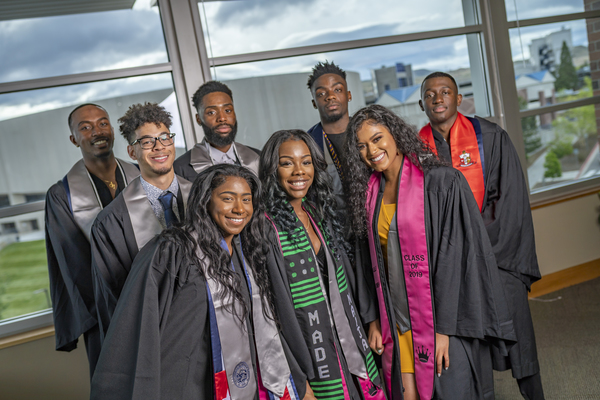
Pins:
x: 166, y: 139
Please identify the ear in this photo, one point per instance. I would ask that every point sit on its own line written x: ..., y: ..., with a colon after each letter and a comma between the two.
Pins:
x: 198, y: 119
x: 131, y: 152
x: 73, y: 140
x: 349, y: 96
x: 421, y: 105
x: 458, y: 100
x: 314, y: 104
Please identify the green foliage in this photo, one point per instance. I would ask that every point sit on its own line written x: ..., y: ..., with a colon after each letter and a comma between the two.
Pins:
x: 567, y: 75
x: 577, y: 122
x: 552, y: 168
x: 562, y: 147
x: 24, y: 270
x: 530, y: 130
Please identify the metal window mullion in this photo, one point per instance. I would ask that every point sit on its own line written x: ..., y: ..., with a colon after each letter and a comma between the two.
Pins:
x: 560, y: 107
x: 555, y: 19
x: 337, y: 46
x: 86, y: 77
x: 20, y: 209
x: 565, y: 190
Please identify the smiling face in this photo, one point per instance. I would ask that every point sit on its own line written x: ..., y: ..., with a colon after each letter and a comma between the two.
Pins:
x: 440, y: 100
x: 91, y: 132
x: 295, y: 170
x: 330, y: 96
x: 231, y: 206
x: 156, y: 161
x: 217, y: 118
x: 377, y: 147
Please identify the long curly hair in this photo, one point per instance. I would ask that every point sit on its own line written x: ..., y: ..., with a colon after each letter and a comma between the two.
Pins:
x: 356, y: 172
x: 319, y: 196
x: 198, y: 230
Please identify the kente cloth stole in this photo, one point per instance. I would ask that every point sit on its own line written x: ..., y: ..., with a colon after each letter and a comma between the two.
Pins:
x: 317, y: 314
x: 334, y: 156
x: 234, y: 376
x: 410, y: 217
x: 466, y: 149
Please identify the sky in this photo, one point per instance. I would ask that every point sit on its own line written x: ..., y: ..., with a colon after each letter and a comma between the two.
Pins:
x: 54, y: 46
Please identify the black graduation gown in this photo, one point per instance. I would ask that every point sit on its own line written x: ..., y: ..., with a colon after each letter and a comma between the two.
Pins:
x: 69, y: 269
x: 507, y: 217
x: 469, y: 304
x: 158, y: 344
x: 114, y: 248
x: 290, y: 327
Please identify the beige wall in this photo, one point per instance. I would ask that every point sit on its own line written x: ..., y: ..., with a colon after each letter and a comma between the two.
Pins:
x: 35, y: 371
x: 567, y: 234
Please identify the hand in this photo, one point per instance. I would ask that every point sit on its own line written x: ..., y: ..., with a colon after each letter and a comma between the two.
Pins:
x: 442, y: 344
x: 310, y: 395
x: 375, y: 338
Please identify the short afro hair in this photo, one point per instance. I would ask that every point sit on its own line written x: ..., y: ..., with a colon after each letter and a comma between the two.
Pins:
x: 438, y: 74
x: 209, y: 87
x: 324, y: 68
x: 70, y: 119
x: 140, y: 114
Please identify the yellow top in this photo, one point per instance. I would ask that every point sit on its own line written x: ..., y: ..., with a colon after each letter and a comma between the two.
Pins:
x: 383, y: 228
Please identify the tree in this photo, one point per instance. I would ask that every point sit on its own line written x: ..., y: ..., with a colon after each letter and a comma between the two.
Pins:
x: 552, y: 168
x: 579, y: 121
x: 567, y: 75
x: 530, y: 130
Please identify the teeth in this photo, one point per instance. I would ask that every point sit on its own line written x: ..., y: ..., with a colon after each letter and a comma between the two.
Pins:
x: 100, y: 142
x: 299, y: 183
x: 236, y: 219
x: 379, y: 157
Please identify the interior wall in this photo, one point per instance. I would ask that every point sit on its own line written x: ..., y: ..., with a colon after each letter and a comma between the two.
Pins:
x: 34, y: 370
x: 567, y: 234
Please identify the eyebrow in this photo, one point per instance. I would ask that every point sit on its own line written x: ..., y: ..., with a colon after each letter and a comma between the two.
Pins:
x: 304, y: 156
x: 235, y: 193
x: 335, y: 84
x: 89, y: 122
x: 152, y: 137
x: 219, y: 105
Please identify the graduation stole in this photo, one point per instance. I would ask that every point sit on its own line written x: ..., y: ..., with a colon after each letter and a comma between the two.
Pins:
x: 466, y: 149
x: 334, y: 156
x: 317, y: 313
x: 234, y: 377
x: 410, y: 217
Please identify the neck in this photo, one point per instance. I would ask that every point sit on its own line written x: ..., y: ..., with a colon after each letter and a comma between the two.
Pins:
x: 444, y: 127
x: 223, y: 149
x: 339, y: 126
x: 229, y: 240
x: 160, y: 181
x: 297, y: 206
x: 392, y: 174
x: 101, y: 167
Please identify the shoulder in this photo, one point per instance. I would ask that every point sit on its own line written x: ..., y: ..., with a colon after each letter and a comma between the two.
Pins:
x: 442, y: 178
x: 490, y: 128
x: 184, y: 159
x: 254, y: 153
x: 56, y: 192
x: 112, y: 211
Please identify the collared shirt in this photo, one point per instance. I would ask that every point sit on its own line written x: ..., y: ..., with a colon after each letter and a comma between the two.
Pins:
x: 153, y: 193
x: 218, y: 157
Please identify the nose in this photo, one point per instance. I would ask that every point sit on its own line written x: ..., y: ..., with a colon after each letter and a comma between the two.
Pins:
x: 221, y: 117
x: 238, y: 207
x: 371, y: 149
x: 298, y: 169
x: 437, y: 98
x: 158, y: 145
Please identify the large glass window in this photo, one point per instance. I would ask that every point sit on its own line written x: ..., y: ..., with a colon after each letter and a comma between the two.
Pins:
x: 68, y: 44
x: 526, y: 9
x: 273, y: 95
x: 248, y: 26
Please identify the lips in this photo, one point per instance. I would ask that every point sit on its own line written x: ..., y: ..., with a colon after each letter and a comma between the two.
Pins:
x: 235, y: 221
x: 378, y: 158
x: 439, y: 109
x: 100, y: 141
x: 225, y: 128
x: 160, y: 158
x: 298, y: 184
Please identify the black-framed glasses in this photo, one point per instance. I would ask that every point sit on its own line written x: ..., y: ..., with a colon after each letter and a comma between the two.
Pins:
x: 166, y: 139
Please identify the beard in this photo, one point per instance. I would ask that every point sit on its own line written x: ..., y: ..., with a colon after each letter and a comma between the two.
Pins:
x: 331, y: 118
x: 218, y: 140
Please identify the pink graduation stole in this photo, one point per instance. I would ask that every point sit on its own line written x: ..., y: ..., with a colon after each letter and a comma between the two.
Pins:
x: 413, y: 244
x: 464, y: 150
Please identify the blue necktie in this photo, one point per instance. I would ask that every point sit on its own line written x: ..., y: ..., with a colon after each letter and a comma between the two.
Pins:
x: 167, y: 200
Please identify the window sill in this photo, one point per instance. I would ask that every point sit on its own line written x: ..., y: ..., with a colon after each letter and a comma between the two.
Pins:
x: 25, y: 337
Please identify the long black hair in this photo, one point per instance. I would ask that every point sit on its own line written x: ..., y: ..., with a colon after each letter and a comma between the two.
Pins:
x: 319, y: 196
x: 356, y: 172
x: 199, y: 229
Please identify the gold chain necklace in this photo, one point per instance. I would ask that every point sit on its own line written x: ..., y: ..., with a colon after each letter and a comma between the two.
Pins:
x: 110, y: 184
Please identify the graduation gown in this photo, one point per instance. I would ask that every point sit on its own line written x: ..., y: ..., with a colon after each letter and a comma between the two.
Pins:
x: 468, y: 302
x: 290, y: 327
x: 71, y: 207
x: 159, y: 343
x: 194, y: 161
x: 118, y: 233
x: 507, y: 217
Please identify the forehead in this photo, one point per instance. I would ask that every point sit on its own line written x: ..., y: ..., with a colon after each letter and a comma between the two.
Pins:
x: 438, y: 82
x: 151, y: 129
x: 88, y: 113
x: 216, y: 99
x: 233, y: 184
x: 293, y: 147
x: 370, y: 128
x: 328, y: 81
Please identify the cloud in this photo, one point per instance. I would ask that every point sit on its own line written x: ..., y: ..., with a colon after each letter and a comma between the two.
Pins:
x: 254, y: 13
x: 63, y: 45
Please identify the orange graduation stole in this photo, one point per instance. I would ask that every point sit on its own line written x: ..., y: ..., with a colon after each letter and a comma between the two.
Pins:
x: 465, y: 154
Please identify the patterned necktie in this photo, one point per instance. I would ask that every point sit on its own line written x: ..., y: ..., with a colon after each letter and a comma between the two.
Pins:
x: 166, y: 200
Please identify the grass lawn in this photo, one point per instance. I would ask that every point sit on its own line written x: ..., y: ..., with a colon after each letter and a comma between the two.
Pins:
x: 23, y: 271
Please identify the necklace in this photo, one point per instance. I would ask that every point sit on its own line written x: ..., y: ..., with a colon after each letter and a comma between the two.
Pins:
x: 110, y: 184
